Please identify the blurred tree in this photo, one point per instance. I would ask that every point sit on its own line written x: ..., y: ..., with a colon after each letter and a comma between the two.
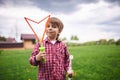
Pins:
x: 103, y: 41
x: 2, y: 38
x: 118, y: 42
x: 74, y: 37
x: 63, y: 39
x: 111, y: 41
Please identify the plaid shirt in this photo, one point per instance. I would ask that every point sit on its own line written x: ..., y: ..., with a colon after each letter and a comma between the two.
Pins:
x: 57, y: 61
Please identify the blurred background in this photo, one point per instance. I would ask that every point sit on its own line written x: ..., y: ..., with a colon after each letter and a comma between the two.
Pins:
x: 88, y: 20
x: 91, y: 32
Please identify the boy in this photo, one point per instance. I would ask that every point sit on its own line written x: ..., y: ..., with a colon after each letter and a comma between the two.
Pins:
x: 56, y: 54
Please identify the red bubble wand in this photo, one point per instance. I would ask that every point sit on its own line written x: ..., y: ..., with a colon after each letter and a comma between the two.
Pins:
x: 40, y: 40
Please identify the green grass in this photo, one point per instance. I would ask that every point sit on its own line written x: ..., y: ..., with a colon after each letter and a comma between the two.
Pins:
x: 14, y: 65
x: 90, y: 63
x: 96, y: 62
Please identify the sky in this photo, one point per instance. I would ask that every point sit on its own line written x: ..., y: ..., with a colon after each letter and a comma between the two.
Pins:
x: 90, y: 20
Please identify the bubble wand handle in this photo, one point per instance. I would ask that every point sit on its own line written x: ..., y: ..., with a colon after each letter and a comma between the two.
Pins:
x: 70, y: 67
x: 42, y: 48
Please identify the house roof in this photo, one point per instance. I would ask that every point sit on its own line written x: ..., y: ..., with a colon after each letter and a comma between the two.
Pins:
x: 27, y: 36
x: 10, y: 40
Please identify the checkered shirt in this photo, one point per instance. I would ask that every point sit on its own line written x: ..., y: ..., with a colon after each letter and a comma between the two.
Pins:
x: 57, y: 61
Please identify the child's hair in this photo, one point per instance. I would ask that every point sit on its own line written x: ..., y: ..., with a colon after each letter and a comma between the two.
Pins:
x: 56, y: 22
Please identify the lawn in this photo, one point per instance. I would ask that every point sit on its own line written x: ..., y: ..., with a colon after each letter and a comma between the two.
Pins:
x: 101, y: 62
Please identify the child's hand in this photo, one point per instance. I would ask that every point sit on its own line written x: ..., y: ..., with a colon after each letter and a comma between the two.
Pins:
x: 40, y: 56
x: 70, y: 73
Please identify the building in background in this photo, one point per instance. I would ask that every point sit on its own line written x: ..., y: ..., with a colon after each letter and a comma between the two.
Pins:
x: 28, y: 41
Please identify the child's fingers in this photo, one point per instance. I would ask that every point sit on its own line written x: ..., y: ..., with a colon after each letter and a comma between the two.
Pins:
x: 40, y: 56
x: 43, y: 56
x: 70, y: 73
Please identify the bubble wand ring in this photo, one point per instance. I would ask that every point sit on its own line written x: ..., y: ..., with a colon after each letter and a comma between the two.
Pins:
x: 41, y: 48
x: 39, y: 40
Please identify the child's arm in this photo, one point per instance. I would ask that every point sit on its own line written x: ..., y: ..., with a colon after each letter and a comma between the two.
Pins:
x: 32, y: 59
x: 67, y: 63
x: 67, y: 60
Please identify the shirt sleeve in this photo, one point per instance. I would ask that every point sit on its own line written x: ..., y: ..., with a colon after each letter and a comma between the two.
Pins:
x: 32, y: 58
x: 67, y: 60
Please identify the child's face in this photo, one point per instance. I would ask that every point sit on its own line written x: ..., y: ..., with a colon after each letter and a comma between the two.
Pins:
x: 52, y: 31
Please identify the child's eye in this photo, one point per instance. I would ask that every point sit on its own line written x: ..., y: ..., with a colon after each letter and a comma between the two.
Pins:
x: 54, y: 26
